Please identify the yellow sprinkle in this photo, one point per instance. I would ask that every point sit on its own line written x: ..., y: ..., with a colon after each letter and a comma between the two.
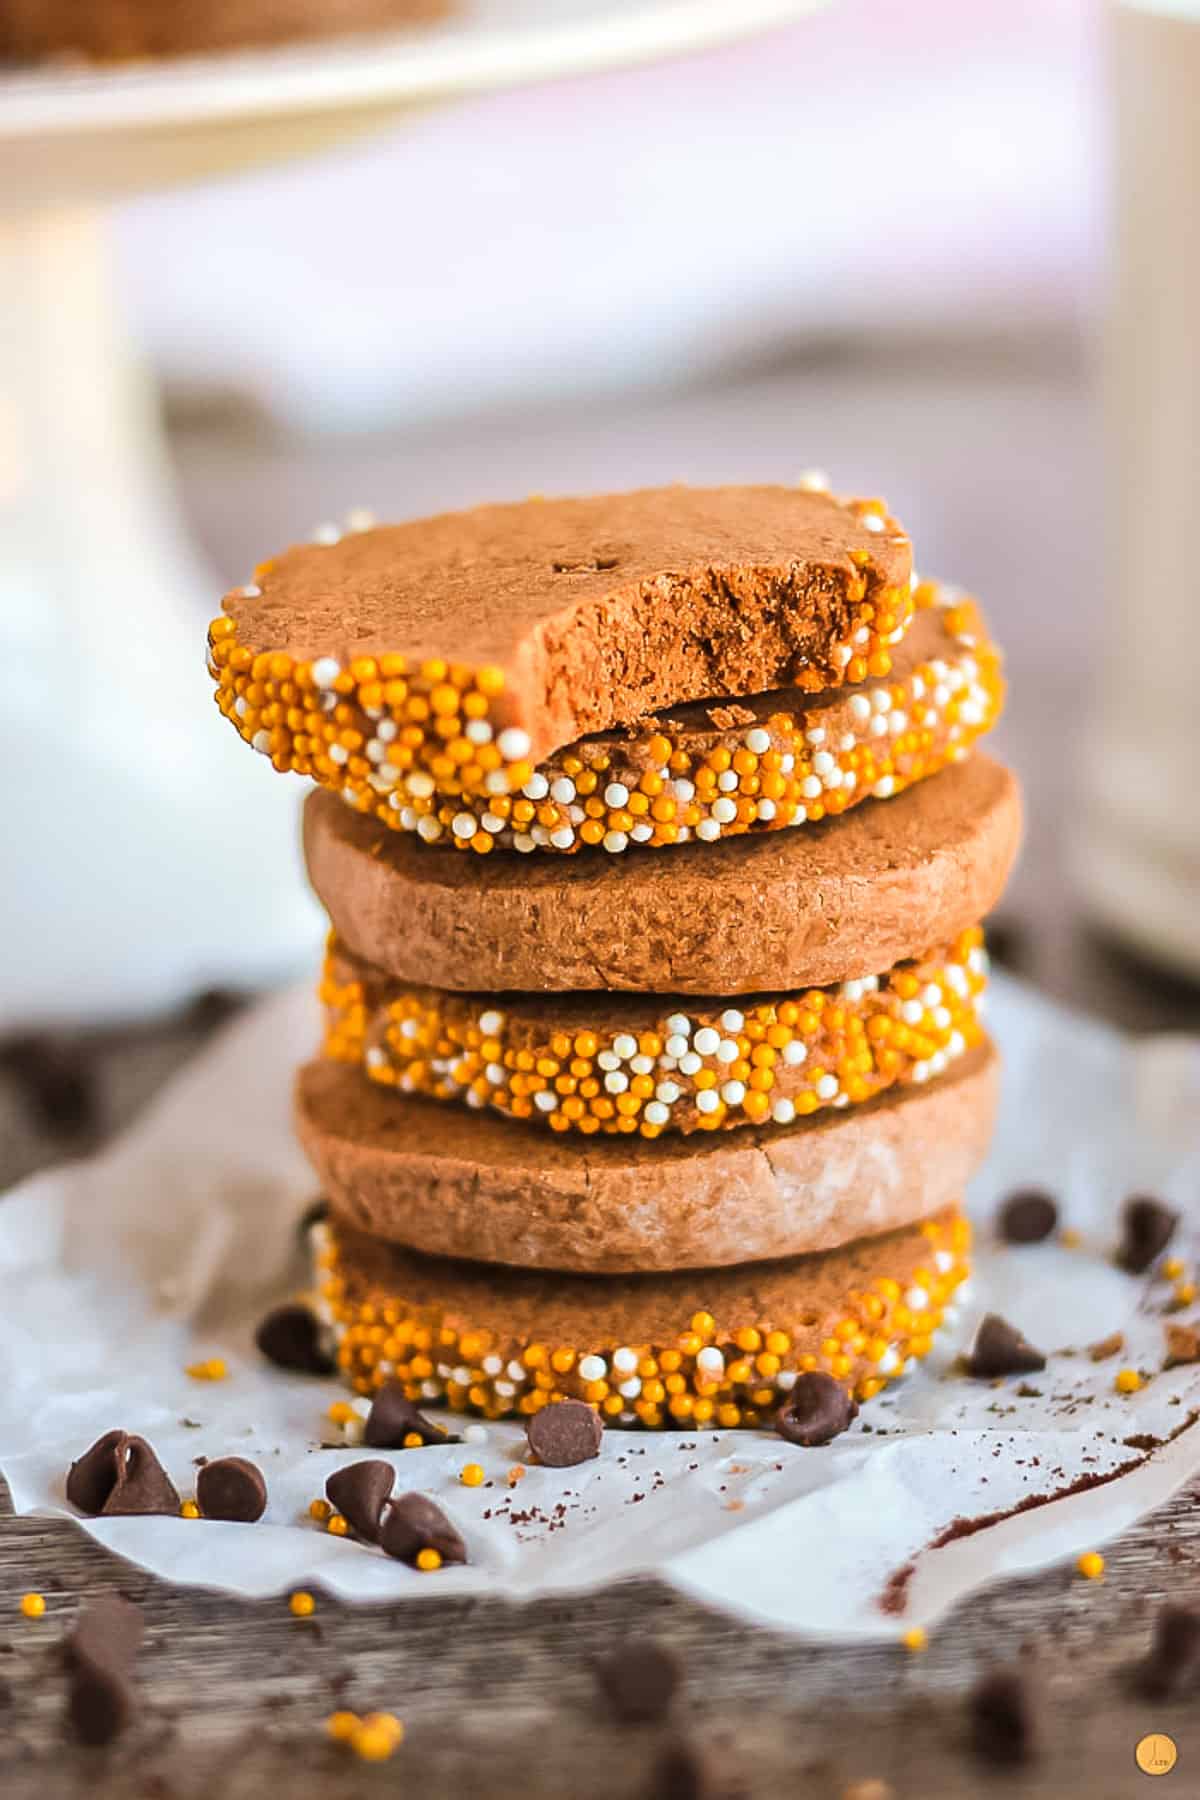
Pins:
x: 342, y: 1726
x: 915, y: 1638
x: 337, y: 1525
x: 381, y: 1721
x: 189, y: 1510
x: 429, y: 1559
x: 1070, y: 1239
x: 341, y: 1412
x: 1185, y: 1292
x: 412, y: 1440
x: 374, y: 1743
x: 471, y: 1475
x: 1172, y: 1269
x: 1091, y: 1564
x: 212, y: 1369
x: 1128, y: 1381
x: 319, y: 1510
x: 302, y: 1604
x: 33, y: 1605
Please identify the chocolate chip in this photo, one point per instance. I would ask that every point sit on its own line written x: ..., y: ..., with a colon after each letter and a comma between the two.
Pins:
x: 360, y: 1493
x: 412, y: 1524
x: 93, y: 1476
x: 999, y: 1349
x: 1027, y: 1217
x: 1148, y: 1227
x: 1173, y: 1661
x: 394, y: 1417
x: 565, y: 1433
x: 120, y: 1475
x: 639, y: 1681
x: 685, y: 1772
x: 100, y: 1654
x: 817, y: 1410
x: 290, y: 1337
x: 231, y: 1488
x: 1001, y: 1718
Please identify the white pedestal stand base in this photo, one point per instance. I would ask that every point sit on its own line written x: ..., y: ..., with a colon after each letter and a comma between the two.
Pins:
x: 146, y: 852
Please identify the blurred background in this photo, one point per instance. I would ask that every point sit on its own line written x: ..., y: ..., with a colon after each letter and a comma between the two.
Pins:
x: 888, y: 242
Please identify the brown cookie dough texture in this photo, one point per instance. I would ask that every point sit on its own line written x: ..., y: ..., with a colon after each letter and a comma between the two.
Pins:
x: 461, y: 1184
x: 595, y: 611
x: 720, y: 1346
x: 842, y: 899
x: 121, y: 30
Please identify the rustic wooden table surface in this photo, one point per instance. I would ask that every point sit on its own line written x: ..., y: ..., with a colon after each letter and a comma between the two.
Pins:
x: 991, y: 460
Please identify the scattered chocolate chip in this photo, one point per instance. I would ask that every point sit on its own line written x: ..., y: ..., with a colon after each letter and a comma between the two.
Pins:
x: 290, y: 1337
x: 394, y: 1417
x: 1009, y: 942
x: 685, y: 1772
x: 1001, y: 1718
x: 93, y: 1476
x: 1173, y: 1660
x: 1147, y: 1227
x: 120, y: 1475
x: 360, y: 1492
x: 412, y: 1524
x: 639, y: 1681
x: 229, y: 1487
x: 817, y: 1410
x: 1027, y: 1217
x: 100, y: 1655
x: 1183, y: 1345
x: 1000, y: 1349
x: 1109, y: 1346
x: 57, y: 1077
x: 565, y: 1433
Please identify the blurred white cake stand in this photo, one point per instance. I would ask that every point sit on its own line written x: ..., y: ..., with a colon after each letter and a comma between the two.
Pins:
x: 147, y: 853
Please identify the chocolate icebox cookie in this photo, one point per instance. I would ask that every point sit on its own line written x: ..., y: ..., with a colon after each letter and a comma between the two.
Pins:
x: 655, y: 845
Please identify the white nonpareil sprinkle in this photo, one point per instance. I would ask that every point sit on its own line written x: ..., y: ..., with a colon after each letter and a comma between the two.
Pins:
x: 912, y: 1012
x: 475, y: 1434
x: 608, y: 1059
x: 615, y: 841
x: 709, y: 830
x: 795, y: 1053
x: 727, y: 1051
x: 491, y: 1023
x: 724, y: 811
x: 513, y: 744
x: 783, y: 1112
x: 562, y: 837
x: 827, y: 1087
x: 885, y: 786
x: 916, y: 1299
x: 429, y: 828
x: 708, y: 1100
x: 810, y: 787
x: 463, y: 825
x: 668, y: 1092
x: 690, y: 1064
x: 615, y: 1082
x: 536, y: 788
x: 655, y: 1113
x: 679, y: 1022
x: 813, y: 481
x: 758, y: 741
x: 491, y: 1365
x: 733, y: 1093
x: 625, y: 1046
x: 727, y: 781
x: 562, y: 790
x: 616, y: 794
x: 593, y: 1368
x: 325, y: 671
x: 420, y: 784
x: 327, y: 534
x: 706, y: 1040
x: 889, y: 1362
x: 625, y: 1361
x: 544, y: 1101
x: 710, y: 1360
x: 732, y: 1020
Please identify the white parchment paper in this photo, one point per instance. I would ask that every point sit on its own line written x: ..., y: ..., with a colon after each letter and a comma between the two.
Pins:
x: 118, y: 1272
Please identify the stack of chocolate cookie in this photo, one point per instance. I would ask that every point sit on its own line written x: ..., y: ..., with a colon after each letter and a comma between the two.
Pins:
x: 655, y: 850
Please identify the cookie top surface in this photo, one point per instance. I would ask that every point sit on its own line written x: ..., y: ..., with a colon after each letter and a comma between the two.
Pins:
x: 842, y: 899
x: 588, y: 613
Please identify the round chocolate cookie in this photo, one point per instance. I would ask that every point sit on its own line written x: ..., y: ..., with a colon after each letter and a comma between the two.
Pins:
x: 125, y: 30
x: 720, y: 1347
x: 453, y: 1183
x: 838, y: 901
x: 626, y: 1063
x: 478, y: 643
